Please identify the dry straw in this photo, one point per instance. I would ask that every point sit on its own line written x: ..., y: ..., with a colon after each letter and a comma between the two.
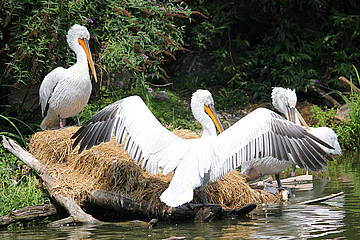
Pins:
x: 108, y: 167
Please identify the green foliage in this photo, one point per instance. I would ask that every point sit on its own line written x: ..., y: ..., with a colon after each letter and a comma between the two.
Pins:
x: 230, y: 98
x: 135, y: 37
x: 17, y: 190
x: 8, y: 128
x: 325, y: 118
x: 262, y: 44
x: 348, y: 130
x: 172, y: 114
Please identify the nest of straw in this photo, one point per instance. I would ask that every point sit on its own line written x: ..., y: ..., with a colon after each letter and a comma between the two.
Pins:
x: 108, y: 167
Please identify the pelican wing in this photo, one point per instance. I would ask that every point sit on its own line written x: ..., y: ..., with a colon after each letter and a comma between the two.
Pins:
x: 264, y: 133
x: 132, y: 123
x: 47, y: 87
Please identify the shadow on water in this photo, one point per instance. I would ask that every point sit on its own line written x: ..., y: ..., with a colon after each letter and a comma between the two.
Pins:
x: 337, y: 218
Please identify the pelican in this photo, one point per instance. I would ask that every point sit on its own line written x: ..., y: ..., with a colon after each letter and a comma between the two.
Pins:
x: 284, y: 100
x: 65, y: 92
x: 197, y: 161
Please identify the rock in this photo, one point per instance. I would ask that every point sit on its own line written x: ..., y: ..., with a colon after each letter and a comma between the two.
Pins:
x: 162, y: 95
x: 25, y: 99
x: 342, y: 113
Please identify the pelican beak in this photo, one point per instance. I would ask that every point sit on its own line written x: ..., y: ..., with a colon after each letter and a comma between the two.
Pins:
x: 85, y: 44
x: 302, y: 121
x: 291, y: 114
x: 210, y: 110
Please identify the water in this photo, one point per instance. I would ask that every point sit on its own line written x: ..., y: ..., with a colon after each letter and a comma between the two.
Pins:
x: 337, y: 218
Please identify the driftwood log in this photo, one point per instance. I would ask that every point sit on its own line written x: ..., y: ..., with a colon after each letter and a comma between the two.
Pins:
x: 28, y: 214
x: 322, y: 199
x: 186, y: 212
x: 325, y: 96
x: 348, y: 83
x: 118, y: 202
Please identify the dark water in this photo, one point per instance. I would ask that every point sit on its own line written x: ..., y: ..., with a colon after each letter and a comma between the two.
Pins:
x: 337, y: 218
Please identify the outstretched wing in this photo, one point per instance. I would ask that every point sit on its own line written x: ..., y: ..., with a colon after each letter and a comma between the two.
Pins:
x: 47, y: 87
x: 264, y: 133
x: 132, y: 123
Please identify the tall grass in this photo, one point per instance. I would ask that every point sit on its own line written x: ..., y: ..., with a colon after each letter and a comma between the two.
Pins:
x: 348, y: 130
x: 17, y: 190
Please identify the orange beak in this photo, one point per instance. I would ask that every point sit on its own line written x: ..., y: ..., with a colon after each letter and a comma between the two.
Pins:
x: 210, y: 110
x: 85, y: 44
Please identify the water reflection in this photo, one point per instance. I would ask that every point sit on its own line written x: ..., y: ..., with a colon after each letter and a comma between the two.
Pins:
x: 294, y: 221
x: 337, y: 218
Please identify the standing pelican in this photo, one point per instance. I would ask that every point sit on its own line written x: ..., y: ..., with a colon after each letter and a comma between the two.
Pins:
x: 197, y: 161
x: 65, y: 92
x: 284, y: 100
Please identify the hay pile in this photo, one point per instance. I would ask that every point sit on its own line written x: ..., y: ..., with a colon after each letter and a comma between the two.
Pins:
x: 108, y: 167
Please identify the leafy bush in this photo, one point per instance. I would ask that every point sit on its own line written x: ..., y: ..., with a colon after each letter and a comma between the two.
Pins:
x: 136, y: 37
x: 172, y: 113
x: 324, y: 118
x: 347, y: 130
x: 262, y: 44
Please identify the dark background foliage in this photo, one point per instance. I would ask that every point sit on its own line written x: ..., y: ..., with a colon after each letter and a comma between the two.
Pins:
x: 237, y: 49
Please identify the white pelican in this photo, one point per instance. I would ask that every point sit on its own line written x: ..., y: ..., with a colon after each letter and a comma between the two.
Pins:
x: 197, y: 161
x: 284, y: 100
x: 65, y: 92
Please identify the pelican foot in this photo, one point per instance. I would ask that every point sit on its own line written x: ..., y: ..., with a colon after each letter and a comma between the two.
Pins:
x: 270, y: 188
x: 293, y: 174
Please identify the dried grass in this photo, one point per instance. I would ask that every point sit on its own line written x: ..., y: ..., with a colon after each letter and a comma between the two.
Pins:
x: 109, y: 167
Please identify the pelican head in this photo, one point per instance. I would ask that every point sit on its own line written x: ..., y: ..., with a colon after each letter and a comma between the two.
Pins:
x: 202, y: 107
x: 78, y: 39
x: 284, y: 100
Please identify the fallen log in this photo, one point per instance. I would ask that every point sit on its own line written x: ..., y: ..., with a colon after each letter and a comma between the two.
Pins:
x: 326, y: 96
x: 318, y: 200
x: 75, y: 211
x: 187, y: 212
x: 28, y: 214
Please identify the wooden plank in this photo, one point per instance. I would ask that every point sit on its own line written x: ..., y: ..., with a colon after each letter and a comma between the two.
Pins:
x: 318, y: 200
x: 297, y: 179
x: 301, y: 182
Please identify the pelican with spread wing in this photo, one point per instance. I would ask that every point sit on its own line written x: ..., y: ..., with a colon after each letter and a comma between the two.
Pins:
x: 65, y: 92
x: 197, y: 161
